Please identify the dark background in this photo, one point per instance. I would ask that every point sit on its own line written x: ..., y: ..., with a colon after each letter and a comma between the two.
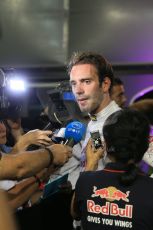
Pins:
x: 38, y: 37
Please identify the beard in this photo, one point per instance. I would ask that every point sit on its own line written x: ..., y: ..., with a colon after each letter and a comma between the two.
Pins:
x: 90, y: 108
x: 92, y: 102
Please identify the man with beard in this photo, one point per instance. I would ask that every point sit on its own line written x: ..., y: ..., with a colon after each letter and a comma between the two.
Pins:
x: 91, y: 78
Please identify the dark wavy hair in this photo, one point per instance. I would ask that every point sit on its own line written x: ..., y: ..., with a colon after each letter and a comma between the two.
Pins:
x: 126, y: 133
x: 103, y: 67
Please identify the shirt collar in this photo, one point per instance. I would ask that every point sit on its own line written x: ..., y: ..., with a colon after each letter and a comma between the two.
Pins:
x: 104, y: 111
x: 115, y: 166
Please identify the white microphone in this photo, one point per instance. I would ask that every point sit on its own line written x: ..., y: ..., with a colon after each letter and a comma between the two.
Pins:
x: 59, y: 137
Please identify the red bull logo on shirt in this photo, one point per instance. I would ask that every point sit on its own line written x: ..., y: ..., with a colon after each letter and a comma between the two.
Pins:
x: 110, y: 208
x: 110, y: 193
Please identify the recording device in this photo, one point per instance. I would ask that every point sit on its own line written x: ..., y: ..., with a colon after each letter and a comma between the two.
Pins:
x: 61, y: 103
x: 57, y: 111
x: 96, y: 139
x: 74, y: 133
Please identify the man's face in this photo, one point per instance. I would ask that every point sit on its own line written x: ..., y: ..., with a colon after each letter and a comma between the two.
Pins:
x: 2, y: 133
x: 86, y: 88
x: 118, y: 95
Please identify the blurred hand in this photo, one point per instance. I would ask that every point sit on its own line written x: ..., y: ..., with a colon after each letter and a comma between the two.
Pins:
x: 61, y: 153
x: 14, y: 124
x: 93, y: 156
x: 36, y: 137
x: 15, y: 128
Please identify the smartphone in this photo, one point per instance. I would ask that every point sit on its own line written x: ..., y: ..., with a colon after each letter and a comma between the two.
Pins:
x: 96, y: 139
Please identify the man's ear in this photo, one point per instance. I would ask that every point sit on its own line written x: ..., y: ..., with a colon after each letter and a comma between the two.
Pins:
x: 106, y: 84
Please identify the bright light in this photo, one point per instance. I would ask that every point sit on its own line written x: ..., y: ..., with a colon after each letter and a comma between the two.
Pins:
x: 17, y: 85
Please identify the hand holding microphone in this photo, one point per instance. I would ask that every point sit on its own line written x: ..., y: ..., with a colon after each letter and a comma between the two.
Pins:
x: 71, y: 135
x: 61, y: 153
x: 34, y: 137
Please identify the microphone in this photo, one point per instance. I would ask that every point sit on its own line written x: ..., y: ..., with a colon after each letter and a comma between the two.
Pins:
x: 74, y: 133
x: 59, y: 137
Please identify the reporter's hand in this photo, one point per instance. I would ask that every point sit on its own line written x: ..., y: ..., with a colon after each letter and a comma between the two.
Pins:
x: 14, y: 124
x: 93, y: 156
x: 15, y: 128
x: 61, y: 153
x: 36, y: 137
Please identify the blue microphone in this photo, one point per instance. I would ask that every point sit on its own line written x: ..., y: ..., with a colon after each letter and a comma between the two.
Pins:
x: 74, y: 133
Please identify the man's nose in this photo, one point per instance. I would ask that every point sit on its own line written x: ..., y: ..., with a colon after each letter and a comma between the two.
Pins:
x: 78, y: 89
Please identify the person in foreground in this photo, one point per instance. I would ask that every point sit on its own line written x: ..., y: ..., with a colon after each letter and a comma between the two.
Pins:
x: 7, y: 220
x: 119, y: 196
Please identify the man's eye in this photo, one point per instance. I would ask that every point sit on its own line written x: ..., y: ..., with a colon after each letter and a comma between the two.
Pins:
x: 87, y: 81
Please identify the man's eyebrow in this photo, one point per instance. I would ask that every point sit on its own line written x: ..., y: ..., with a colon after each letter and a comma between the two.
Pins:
x: 82, y: 79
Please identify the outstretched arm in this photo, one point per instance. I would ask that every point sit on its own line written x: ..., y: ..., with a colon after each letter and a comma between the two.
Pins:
x: 28, y: 163
x: 23, y: 190
x: 36, y: 137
